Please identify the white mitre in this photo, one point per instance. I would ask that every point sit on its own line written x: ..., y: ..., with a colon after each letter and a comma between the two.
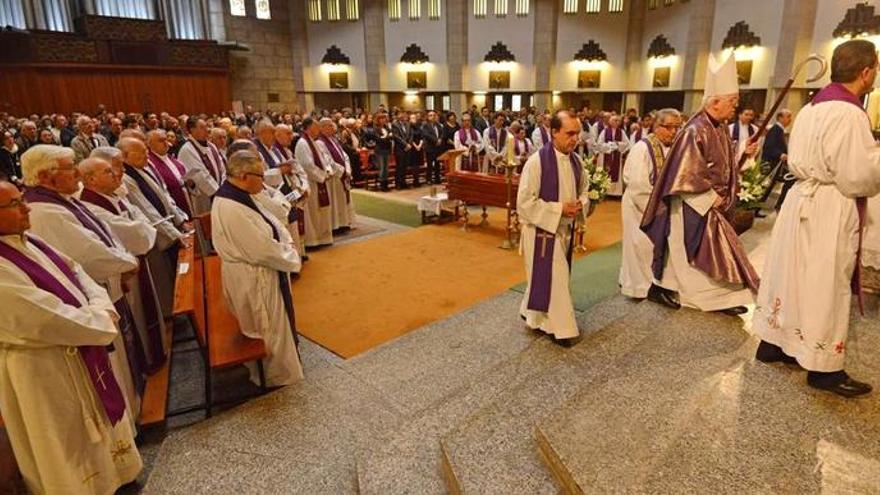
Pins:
x: 721, y: 78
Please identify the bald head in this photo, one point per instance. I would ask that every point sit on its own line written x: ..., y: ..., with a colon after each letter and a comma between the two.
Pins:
x: 134, y: 151
x: 133, y: 133
x: 157, y: 141
x: 98, y: 175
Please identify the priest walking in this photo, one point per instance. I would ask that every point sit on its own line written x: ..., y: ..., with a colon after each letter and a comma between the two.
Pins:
x: 697, y: 253
x: 551, y: 199
x: 645, y: 162
x: 812, y: 266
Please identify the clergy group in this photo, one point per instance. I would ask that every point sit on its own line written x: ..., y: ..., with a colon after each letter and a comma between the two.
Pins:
x: 680, y: 185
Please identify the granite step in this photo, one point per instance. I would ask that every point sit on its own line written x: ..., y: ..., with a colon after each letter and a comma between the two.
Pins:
x: 298, y: 439
x: 722, y: 424
x: 410, y: 462
x: 492, y: 452
x: 622, y: 435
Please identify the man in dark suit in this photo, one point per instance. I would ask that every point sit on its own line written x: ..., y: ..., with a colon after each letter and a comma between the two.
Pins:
x: 402, y: 132
x: 481, y: 120
x: 432, y: 132
x: 776, y: 153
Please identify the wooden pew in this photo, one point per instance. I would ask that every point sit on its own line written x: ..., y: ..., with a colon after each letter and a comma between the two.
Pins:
x: 154, y: 403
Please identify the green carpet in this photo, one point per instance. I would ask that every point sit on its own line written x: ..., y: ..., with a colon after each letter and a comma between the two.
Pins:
x: 385, y: 209
x: 593, y: 277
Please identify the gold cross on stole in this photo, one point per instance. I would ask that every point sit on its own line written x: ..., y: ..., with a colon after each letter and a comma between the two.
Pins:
x: 544, y: 237
x: 100, y: 374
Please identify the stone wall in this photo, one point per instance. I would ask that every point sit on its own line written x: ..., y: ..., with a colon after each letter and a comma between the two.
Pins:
x: 267, y: 69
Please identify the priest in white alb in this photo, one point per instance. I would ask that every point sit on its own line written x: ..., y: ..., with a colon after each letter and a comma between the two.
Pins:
x: 204, y: 165
x: 147, y: 191
x: 812, y: 266
x: 468, y: 139
x: 258, y: 257
x: 645, y: 162
x: 319, y: 213
x: 101, y: 180
x: 552, y: 199
x: 66, y: 223
x: 340, y: 183
x: 62, y: 407
x: 699, y: 261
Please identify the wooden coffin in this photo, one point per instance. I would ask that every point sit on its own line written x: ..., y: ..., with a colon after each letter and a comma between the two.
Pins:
x: 476, y: 188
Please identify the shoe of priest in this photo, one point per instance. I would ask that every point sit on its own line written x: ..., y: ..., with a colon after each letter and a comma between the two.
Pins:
x: 663, y: 296
x: 838, y: 382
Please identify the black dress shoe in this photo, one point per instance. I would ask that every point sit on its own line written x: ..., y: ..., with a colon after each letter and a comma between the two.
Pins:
x: 839, y: 383
x: 769, y: 353
x: 734, y: 311
x: 663, y: 296
x: 566, y: 342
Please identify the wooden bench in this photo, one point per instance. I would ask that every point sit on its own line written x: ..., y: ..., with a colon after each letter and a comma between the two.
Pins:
x: 154, y: 403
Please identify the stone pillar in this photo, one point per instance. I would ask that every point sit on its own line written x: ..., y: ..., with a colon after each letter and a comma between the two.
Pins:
x: 635, y: 54
x: 696, y: 54
x: 299, y: 48
x: 798, y: 21
x: 457, y: 52
x: 544, y: 51
x: 374, y: 52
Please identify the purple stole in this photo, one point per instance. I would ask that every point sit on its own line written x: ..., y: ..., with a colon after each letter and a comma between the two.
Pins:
x: 85, y: 217
x: 494, y: 135
x: 336, y: 153
x: 95, y: 358
x: 267, y: 156
x: 242, y: 197
x: 545, y: 136
x: 323, y: 193
x: 837, y: 92
x: 542, y: 260
x: 175, y: 188
x: 462, y: 137
x: 146, y: 190
x: 212, y: 169
x: 153, y: 317
x: 611, y: 162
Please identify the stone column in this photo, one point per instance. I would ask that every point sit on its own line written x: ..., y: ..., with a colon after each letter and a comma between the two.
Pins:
x: 299, y: 48
x: 457, y: 52
x: 696, y: 55
x: 796, y: 36
x: 635, y: 55
x: 544, y: 51
x: 374, y: 51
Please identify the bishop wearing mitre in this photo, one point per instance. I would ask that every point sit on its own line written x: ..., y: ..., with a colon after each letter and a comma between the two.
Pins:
x: 699, y: 261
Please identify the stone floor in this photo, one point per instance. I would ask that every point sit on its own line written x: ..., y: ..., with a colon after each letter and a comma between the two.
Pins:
x: 649, y: 401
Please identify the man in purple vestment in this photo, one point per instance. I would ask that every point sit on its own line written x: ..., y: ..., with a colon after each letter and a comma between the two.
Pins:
x: 697, y: 253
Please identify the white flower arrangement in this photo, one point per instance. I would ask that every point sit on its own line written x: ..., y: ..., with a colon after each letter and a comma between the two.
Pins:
x: 598, y: 180
x: 752, y: 186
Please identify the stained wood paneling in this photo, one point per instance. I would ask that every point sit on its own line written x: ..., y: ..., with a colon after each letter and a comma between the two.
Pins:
x: 47, y: 88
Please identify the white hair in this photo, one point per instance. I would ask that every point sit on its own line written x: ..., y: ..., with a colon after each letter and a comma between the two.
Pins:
x: 243, y: 161
x: 662, y: 115
x: 108, y: 153
x: 42, y: 158
x: 711, y: 100
x: 218, y: 131
x: 155, y: 132
x: 83, y: 119
x: 87, y: 167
